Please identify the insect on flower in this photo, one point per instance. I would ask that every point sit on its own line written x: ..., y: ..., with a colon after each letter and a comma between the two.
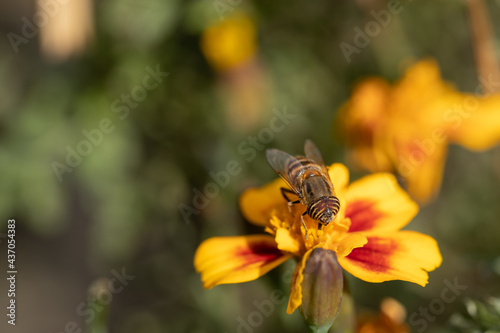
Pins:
x: 308, y: 179
x: 365, y: 238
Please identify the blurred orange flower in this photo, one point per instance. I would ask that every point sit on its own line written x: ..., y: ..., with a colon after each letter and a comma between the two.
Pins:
x: 390, y: 319
x: 406, y: 127
x: 365, y: 236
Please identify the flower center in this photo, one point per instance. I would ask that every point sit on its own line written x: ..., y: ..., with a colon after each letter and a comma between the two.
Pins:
x: 286, y: 225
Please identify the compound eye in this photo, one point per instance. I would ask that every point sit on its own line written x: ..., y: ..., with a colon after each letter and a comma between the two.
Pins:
x: 309, y: 189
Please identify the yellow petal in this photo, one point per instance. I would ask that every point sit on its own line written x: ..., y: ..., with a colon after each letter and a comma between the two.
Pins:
x: 403, y: 255
x: 367, y: 104
x: 222, y: 260
x: 377, y: 203
x: 363, y: 120
x: 288, y: 241
x: 295, y: 299
x: 373, y: 158
x: 256, y: 204
x: 365, y: 111
x: 419, y: 152
x: 477, y: 126
x: 424, y: 180
x: 339, y: 175
x: 349, y: 243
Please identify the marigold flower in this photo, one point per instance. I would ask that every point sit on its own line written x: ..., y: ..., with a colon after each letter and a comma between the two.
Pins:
x: 365, y: 236
x: 406, y: 128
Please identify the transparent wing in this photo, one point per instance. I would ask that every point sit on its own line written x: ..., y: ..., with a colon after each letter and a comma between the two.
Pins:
x: 313, y: 153
x: 279, y: 160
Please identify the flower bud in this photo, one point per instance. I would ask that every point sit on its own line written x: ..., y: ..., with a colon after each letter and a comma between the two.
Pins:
x: 321, y: 290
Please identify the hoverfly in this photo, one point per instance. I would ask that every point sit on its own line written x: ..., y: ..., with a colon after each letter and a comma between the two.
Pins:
x: 308, y: 178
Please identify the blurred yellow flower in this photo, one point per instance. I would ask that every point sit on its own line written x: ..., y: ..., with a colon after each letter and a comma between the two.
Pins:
x: 230, y: 47
x: 406, y: 127
x: 231, y: 43
x: 365, y: 236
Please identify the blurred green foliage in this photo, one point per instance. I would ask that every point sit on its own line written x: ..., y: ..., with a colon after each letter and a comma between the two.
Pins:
x: 478, y: 316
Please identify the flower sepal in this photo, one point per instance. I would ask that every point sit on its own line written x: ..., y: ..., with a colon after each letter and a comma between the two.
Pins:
x: 322, y: 287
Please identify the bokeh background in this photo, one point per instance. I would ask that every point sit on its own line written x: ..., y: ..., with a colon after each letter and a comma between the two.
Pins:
x: 65, y: 66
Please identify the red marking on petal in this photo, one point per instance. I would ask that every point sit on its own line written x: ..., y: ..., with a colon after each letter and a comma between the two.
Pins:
x: 375, y: 255
x: 363, y: 215
x: 414, y: 149
x: 262, y: 252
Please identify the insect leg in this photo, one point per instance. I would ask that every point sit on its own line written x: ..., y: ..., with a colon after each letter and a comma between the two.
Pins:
x: 284, y: 191
x: 303, y: 223
x: 290, y: 203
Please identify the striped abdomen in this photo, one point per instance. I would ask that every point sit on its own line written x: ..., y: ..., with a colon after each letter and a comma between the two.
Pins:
x: 324, y: 209
x: 296, y: 168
